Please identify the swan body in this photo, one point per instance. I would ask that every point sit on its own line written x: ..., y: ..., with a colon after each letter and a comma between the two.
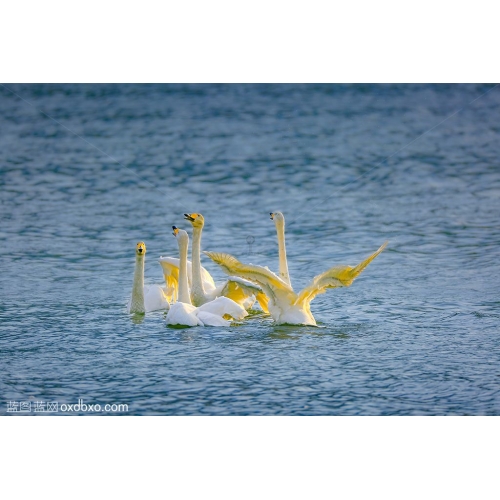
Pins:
x: 145, y: 298
x: 183, y: 314
x: 209, y: 314
x: 213, y: 313
x: 286, y: 306
x: 242, y: 291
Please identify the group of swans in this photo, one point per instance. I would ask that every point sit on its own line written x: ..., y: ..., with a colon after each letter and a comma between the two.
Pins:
x: 193, y: 299
x: 202, y: 286
x: 147, y: 298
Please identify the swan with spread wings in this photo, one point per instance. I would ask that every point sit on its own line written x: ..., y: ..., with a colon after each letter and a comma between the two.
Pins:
x: 286, y: 306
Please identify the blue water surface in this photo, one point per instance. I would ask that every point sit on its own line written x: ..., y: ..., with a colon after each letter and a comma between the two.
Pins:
x: 86, y: 171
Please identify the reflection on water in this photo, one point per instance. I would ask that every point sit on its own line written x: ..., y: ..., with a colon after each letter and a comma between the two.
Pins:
x: 137, y: 319
x: 417, y: 333
x: 294, y: 331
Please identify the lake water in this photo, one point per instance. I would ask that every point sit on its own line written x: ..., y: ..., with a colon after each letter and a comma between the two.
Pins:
x: 416, y: 334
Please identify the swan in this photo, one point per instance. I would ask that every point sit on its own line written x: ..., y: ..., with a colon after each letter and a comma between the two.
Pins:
x: 145, y: 298
x: 279, y: 221
x: 203, y: 288
x: 183, y: 312
x: 286, y: 306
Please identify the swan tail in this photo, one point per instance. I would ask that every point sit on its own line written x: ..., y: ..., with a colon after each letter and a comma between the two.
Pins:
x: 335, y: 277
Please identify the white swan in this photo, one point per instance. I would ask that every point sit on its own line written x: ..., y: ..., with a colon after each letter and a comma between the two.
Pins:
x: 279, y: 221
x: 145, y: 298
x: 240, y: 290
x: 286, y: 306
x: 211, y: 313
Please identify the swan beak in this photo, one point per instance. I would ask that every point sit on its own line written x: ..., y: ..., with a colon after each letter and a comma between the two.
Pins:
x: 272, y: 216
x: 188, y: 217
x: 141, y: 248
x: 175, y: 231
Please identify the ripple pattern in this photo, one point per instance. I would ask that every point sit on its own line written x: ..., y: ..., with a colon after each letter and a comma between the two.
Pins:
x: 417, y: 334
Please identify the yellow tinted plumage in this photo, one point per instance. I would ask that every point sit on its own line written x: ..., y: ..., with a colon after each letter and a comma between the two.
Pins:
x: 171, y: 275
x: 263, y: 300
x: 335, y: 277
x: 258, y: 274
x: 284, y: 305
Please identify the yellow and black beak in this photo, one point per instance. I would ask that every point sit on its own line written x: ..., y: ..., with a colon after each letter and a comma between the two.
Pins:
x: 189, y: 217
x: 175, y: 230
x: 272, y: 216
x: 141, y: 248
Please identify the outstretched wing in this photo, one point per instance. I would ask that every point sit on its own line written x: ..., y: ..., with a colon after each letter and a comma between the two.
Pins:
x: 242, y: 291
x: 170, y: 267
x: 333, y: 278
x: 258, y: 274
x: 272, y: 285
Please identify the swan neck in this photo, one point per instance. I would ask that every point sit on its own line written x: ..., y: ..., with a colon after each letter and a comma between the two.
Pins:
x: 280, y: 230
x: 197, y: 288
x: 137, y: 302
x: 183, y: 275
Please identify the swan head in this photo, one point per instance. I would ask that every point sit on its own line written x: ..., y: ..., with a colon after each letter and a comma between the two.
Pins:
x: 196, y: 220
x: 140, y: 248
x: 277, y: 217
x: 181, y: 236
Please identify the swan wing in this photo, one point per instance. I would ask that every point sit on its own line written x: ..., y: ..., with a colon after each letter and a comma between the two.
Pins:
x: 210, y: 319
x: 240, y: 290
x: 263, y: 300
x: 244, y: 292
x: 334, y: 277
x: 155, y: 298
x: 232, y: 266
x: 170, y: 266
x: 208, y: 281
x: 272, y: 285
x: 244, y: 284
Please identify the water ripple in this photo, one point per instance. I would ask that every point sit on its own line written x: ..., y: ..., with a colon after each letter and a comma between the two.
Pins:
x: 417, y: 334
